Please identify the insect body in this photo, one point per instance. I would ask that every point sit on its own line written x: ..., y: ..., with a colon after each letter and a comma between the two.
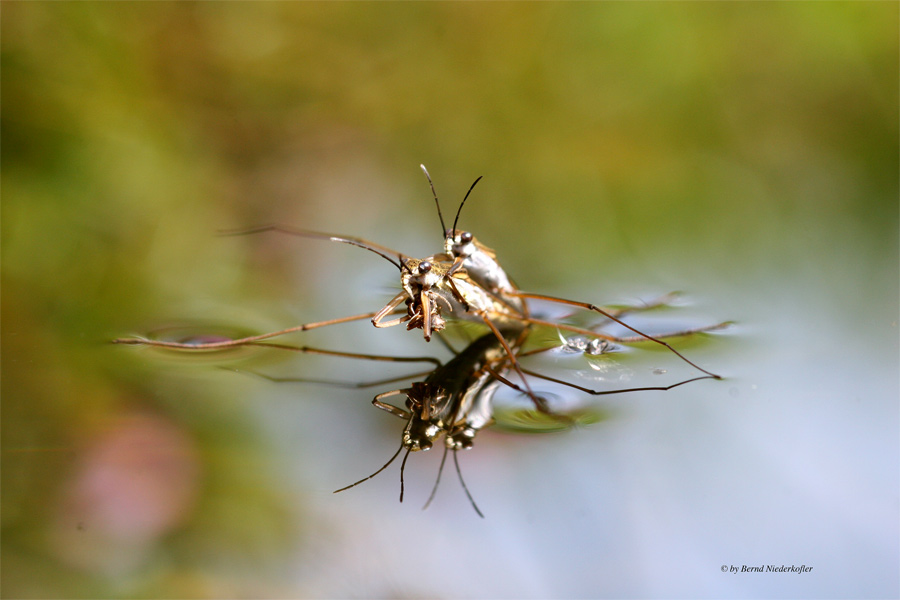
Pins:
x: 441, y: 404
x: 453, y: 401
x: 466, y: 282
x: 430, y: 287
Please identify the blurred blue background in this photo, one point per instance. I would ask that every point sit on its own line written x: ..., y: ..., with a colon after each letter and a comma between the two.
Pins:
x: 745, y: 153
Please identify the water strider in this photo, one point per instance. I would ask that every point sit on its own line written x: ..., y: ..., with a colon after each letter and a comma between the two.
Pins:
x: 465, y: 282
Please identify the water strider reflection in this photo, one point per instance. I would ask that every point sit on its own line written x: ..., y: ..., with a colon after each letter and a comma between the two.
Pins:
x: 455, y: 400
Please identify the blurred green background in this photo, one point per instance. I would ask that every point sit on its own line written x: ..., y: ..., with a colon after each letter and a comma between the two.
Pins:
x: 744, y: 152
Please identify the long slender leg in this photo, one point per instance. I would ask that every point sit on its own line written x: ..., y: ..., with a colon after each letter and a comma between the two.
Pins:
x: 682, y: 333
x: 136, y: 341
x: 455, y: 289
x: 663, y: 300
x: 333, y: 382
x: 609, y: 392
x: 596, y: 392
x: 566, y: 327
x: 632, y: 339
x: 589, y: 306
x: 638, y: 338
x: 621, y: 311
x: 499, y: 377
x: 355, y: 355
x: 555, y: 325
x: 539, y: 402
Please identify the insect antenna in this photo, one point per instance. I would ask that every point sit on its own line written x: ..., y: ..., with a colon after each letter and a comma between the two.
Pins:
x: 404, y: 265
x: 438, y: 480
x: 403, y: 468
x: 459, y: 210
x: 396, y: 454
x: 461, y: 480
x: 382, y: 251
x: 436, y: 203
x: 465, y: 487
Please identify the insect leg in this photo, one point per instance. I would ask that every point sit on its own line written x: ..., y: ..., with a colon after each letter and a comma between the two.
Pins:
x: 344, y: 384
x: 332, y: 382
x: 426, y: 316
x: 589, y: 306
x: 682, y: 333
x: 608, y: 392
x: 397, y: 412
x: 621, y: 311
x: 623, y: 340
x: 354, y: 355
x: 539, y: 402
x: 139, y: 341
x: 389, y: 309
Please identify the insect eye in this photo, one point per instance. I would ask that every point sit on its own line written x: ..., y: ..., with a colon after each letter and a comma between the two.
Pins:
x: 424, y: 266
x: 466, y: 236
